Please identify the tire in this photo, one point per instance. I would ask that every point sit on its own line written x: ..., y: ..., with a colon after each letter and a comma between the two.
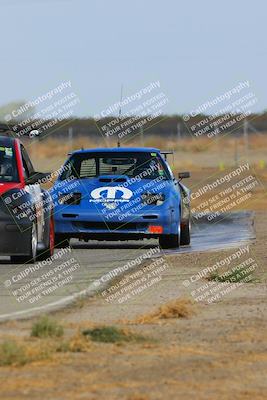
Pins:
x: 61, y: 241
x: 31, y: 258
x: 170, y: 241
x: 185, y: 234
x: 49, y: 251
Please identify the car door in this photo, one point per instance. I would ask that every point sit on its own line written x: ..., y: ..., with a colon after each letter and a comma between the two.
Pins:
x: 35, y: 191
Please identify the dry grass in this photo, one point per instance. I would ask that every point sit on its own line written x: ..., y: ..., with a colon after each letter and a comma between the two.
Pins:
x: 50, y: 147
x: 16, y: 352
x: 180, y: 308
x: 76, y: 344
x: 232, y: 276
x: 192, y: 153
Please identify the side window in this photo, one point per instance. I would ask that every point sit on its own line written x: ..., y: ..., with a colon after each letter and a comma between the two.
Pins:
x: 69, y: 170
x: 170, y: 170
x: 27, y: 165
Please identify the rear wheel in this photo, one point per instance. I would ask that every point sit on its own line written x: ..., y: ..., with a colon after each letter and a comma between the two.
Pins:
x: 31, y: 258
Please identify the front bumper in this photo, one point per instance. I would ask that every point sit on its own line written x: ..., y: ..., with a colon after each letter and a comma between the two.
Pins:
x: 74, y: 223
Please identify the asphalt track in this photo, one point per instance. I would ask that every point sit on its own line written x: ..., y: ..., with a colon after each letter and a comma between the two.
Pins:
x: 85, y: 268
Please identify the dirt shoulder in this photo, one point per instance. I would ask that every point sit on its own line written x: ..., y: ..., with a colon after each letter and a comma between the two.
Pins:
x: 217, y: 350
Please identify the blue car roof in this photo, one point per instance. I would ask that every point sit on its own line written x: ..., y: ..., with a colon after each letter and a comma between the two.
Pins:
x: 118, y: 150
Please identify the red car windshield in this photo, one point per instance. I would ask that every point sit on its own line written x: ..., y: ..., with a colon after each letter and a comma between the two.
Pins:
x: 8, y: 165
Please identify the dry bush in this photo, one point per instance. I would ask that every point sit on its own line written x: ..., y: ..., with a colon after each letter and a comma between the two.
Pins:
x: 180, y: 308
x: 112, y: 334
x: 47, y: 327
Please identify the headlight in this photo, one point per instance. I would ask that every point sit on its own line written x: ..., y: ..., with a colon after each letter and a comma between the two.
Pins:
x: 153, y: 198
x: 70, y: 198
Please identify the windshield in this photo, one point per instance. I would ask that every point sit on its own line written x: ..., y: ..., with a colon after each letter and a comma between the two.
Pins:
x: 8, y: 165
x: 132, y: 164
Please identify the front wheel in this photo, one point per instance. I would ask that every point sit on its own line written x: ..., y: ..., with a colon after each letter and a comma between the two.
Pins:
x: 169, y: 241
x: 31, y: 258
x: 185, y: 234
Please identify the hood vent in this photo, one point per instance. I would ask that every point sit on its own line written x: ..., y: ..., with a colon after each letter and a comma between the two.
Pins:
x: 105, y: 180
x: 120, y: 180
x: 109, y: 180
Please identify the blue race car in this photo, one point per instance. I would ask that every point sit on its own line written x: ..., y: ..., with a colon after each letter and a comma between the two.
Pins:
x: 121, y: 194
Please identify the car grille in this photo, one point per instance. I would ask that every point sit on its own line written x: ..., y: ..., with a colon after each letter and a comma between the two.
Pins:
x: 111, y: 226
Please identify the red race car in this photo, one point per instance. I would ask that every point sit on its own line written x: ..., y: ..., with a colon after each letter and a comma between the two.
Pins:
x: 26, y: 210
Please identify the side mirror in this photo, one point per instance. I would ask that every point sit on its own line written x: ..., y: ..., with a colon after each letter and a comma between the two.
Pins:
x: 183, y: 175
x: 34, y: 133
x: 38, y: 177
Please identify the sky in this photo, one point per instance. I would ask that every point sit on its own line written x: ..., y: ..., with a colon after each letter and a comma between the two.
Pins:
x: 197, y: 50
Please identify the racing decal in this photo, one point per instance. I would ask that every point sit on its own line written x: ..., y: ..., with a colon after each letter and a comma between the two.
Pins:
x: 111, y: 196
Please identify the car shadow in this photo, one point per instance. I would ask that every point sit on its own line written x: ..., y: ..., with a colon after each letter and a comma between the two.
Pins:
x: 6, y: 261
